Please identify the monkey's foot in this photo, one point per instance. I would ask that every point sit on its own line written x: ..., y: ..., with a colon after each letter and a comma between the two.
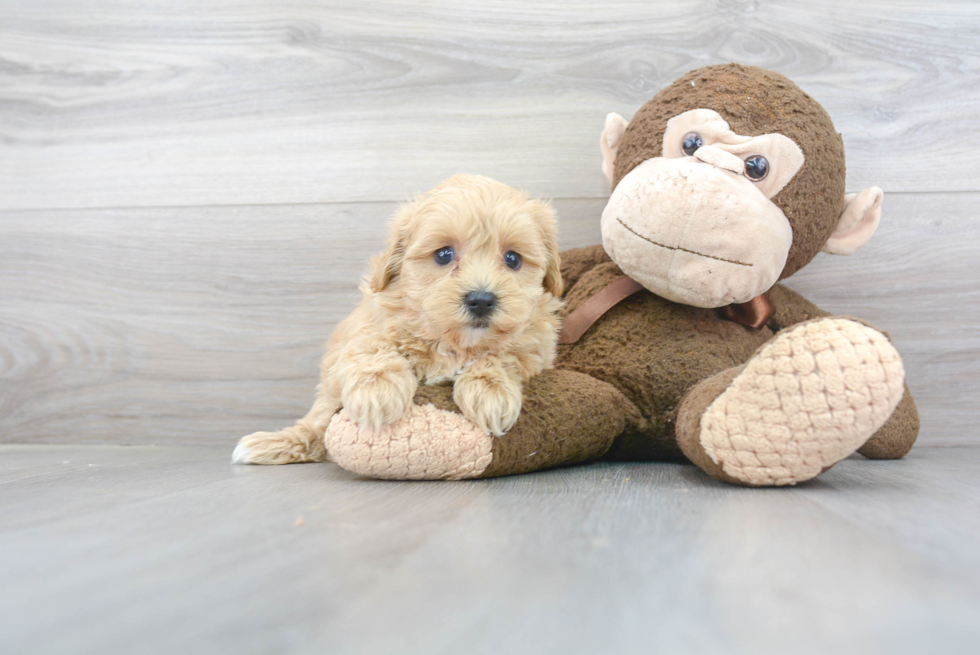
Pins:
x: 806, y: 400
x: 427, y: 443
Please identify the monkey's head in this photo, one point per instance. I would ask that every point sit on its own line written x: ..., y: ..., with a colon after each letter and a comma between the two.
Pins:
x: 729, y: 180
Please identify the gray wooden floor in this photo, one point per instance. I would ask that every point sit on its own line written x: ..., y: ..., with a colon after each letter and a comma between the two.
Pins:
x: 110, y: 549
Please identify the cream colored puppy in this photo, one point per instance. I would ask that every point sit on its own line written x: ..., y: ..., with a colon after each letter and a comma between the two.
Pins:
x: 466, y: 291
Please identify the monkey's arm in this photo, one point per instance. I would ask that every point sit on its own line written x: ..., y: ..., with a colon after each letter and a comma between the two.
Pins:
x: 566, y: 418
x: 895, y: 438
x: 791, y: 308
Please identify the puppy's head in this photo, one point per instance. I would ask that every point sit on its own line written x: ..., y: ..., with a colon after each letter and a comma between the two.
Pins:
x: 471, y: 261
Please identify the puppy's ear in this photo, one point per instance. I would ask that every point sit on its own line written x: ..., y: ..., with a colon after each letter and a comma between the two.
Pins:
x: 552, y: 277
x: 388, y: 265
x: 552, y: 271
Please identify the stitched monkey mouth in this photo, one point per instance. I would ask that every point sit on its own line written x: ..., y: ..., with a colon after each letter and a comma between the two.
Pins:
x: 693, y: 252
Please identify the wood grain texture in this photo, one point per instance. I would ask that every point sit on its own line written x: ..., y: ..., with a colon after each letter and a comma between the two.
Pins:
x: 198, y: 325
x: 150, y: 550
x: 182, y: 102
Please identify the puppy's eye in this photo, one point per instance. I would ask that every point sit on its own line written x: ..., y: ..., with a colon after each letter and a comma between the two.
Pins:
x: 756, y: 168
x: 692, y: 141
x: 444, y: 256
x: 512, y: 260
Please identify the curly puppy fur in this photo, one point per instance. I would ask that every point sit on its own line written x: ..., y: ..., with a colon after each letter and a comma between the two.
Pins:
x: 413, y: 327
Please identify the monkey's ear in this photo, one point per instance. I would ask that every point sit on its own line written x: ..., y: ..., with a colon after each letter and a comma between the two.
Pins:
x: 612, y: 134
x: 858, y: 221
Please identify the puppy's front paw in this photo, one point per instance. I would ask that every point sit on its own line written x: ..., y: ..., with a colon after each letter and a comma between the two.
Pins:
x: 492, y: 402
x: 377, y: 399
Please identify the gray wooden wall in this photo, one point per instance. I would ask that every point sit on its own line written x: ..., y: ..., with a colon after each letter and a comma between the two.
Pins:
x: 189, y: 189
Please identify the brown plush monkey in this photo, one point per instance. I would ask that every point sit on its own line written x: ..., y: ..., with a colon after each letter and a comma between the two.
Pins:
x: 677, y: 341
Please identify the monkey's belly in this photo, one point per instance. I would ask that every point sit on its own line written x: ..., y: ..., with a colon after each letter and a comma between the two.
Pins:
x: 653, y: 351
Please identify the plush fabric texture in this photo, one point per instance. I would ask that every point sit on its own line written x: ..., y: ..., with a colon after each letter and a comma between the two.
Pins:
x: 427, y: 443
x: 755, y: 102
x: 692, y: 408
x: 669, y: 226
x: 895, y: 438
x: 576, y: 324
x: 728, y: 149
x: 568, y: 418
x: 655, y: 351
x: 858, y: 221
x: 805, y: 401
x: 791, y: 308
x: 652, y: 350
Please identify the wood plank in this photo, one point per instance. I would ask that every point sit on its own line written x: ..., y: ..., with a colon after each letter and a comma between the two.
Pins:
x: 175, y: 102
x: 174, y: 550
x: 198, y: 325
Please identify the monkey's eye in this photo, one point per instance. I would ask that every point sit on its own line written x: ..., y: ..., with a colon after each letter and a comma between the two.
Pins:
x: 512, y: 260
x: 756, y: 168
x: 692, y: 141
x: 444, y: 256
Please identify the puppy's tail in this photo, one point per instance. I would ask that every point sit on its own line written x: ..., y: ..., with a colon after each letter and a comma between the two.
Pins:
x: 302, y: 442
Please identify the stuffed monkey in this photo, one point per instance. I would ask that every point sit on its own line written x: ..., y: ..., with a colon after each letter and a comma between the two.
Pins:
x: 677, y: 341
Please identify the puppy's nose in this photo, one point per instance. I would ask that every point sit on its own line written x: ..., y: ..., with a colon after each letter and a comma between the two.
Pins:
x: 480, y: 303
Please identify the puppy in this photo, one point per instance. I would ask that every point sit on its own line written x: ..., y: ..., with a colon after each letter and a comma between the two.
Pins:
x: 465, y: 291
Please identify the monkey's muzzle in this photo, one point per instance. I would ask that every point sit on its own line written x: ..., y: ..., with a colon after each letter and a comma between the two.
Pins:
x: 694, y: 233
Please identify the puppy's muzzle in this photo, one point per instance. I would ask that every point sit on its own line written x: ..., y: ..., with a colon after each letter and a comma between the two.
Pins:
x: 480, y: 304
